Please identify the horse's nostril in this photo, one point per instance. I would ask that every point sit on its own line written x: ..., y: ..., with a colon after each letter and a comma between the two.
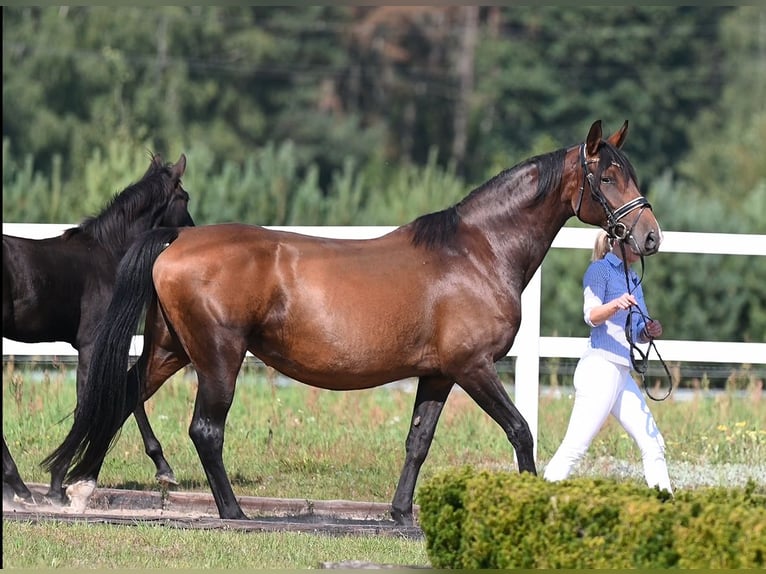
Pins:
x: 651, y: 242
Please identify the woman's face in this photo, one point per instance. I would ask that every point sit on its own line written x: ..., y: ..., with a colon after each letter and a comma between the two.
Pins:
x: 630, y: 255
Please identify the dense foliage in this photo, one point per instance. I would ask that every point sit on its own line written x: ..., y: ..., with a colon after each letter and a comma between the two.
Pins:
x: 367, y: 115
x: 482, y: 519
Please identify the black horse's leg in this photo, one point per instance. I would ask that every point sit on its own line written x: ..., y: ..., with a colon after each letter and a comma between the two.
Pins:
x: 484, y: 386
x: 79, y: 492
x: 214, y: 398
x: 11, y: 475
x: 153, y: 447
x: 429, y: 401
x: 56, y: 492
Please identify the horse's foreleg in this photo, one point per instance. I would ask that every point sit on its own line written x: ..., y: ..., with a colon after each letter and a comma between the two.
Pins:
x: 156, y: 367
x: 429, y: 401
x: 79, y: 493
x: 153, y: 447
x: 11, y: 475
x: 56, y: 491
x: 487, y: 390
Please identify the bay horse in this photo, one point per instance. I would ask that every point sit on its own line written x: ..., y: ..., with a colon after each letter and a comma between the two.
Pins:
x: 59, y: 288
x: 438, y: 299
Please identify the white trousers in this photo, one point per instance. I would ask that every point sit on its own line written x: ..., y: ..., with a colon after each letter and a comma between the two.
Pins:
x: 601, y: 388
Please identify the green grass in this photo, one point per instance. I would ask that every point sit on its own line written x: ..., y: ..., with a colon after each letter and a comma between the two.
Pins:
x: 299, y: 442
x: 60, y: 545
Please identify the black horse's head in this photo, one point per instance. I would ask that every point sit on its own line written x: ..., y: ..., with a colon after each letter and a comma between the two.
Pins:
x: 172, y: 209
x: 158, y: 199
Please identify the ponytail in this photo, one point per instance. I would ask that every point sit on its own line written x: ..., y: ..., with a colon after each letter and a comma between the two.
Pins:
x: 602, y: 246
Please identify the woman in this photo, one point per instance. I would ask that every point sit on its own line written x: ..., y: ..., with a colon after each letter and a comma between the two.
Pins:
x: 602, y: 380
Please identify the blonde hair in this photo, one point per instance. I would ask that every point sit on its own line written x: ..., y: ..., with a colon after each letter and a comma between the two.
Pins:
x: 602, y: 246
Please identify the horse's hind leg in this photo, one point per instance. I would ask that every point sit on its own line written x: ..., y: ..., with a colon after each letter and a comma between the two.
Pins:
x: 484, y: 386
x: 11, y: 475
x: 429, y: 402
x: 215, y: 393
x: 153, y: 447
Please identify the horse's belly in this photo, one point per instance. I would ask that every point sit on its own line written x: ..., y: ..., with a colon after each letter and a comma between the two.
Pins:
x: 344, y: 360
x: 339, y: 380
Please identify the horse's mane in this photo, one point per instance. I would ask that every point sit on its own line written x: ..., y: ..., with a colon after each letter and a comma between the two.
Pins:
x: 110, y: 226
x: 438, y: 229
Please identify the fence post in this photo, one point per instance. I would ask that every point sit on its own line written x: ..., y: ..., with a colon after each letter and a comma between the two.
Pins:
x: 526, y: 347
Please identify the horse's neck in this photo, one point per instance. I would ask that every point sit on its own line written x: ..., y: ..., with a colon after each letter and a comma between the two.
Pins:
x: 538, y: 240
x: 115, y: 235
x: 520, y: 231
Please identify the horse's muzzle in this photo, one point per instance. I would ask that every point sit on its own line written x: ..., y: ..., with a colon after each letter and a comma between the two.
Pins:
x: 652, y: 243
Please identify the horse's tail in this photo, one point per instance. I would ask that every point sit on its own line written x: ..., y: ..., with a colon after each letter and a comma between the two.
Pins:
x: 110, y: 395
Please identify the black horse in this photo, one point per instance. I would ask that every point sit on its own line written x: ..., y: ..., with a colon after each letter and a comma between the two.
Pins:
x: 58, y: 289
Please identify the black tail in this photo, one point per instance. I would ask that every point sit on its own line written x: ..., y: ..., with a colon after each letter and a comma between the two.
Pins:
x: 110, y: 395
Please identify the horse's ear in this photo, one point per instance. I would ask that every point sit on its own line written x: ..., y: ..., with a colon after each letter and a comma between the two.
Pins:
x: 179, y: 168
x: 594, y: 139
x: 618, y: 137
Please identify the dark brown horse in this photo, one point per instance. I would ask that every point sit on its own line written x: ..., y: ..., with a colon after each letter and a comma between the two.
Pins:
x: 438, y: 299
x: 58, y: 289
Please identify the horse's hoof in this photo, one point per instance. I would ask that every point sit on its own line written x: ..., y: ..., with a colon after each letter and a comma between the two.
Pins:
x: 166, y: 479
x: 79, y: 494
x: 402, y: 518
x: 55, y: 501
x: 56, y: 497
x: 24, y: 500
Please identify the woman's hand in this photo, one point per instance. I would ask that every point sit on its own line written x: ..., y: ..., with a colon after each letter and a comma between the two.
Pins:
x: 624, y: 301
x: 653, y: 329
x: 601, y: 313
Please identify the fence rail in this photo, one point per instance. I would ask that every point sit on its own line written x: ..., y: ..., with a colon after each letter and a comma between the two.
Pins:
x: 529, y: 346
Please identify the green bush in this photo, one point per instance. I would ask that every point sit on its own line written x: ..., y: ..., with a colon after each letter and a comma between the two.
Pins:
x: 725, y: 528
x: 442, y: 509
x: 480, y: 519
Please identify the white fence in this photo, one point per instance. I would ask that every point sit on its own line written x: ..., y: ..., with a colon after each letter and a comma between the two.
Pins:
x: 529, y: 346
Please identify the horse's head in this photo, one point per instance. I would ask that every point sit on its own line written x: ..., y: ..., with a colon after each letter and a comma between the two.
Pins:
x: 175, y: 212
x: 608, y: 195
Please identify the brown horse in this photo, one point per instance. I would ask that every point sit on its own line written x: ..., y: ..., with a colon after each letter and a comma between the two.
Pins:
x: 438, y: 299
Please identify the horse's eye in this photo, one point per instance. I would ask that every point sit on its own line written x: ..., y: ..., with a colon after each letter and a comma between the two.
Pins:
x: 607, y: 180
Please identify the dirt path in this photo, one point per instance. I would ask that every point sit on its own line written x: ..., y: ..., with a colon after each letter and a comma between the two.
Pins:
x: 198, y: 511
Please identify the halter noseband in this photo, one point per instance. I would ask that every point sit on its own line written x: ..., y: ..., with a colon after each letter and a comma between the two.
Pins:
x: 615, y: 228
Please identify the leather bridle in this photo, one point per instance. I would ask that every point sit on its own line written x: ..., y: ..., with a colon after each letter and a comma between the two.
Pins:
x: 615, y: 228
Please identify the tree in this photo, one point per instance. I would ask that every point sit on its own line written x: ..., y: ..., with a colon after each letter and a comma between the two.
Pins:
x: 727, y: 160
x: 551, y: 71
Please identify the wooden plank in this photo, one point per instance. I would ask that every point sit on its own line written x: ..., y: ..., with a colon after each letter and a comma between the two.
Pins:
x: 197, y: 510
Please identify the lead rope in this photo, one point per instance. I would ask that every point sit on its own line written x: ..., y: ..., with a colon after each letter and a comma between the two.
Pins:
x: 640, y: 360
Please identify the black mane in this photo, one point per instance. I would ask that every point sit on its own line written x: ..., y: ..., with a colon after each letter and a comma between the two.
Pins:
x: 111, y: 226
x: 438, y: 229
x: 435, y: 229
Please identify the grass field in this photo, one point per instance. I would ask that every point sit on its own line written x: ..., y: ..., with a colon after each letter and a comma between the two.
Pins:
x: 299, y: 442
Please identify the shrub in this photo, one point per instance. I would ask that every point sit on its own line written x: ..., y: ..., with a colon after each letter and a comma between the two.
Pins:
x: 481, y: 519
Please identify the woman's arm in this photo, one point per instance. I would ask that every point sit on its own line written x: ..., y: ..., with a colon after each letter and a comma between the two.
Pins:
x: 646, y: 327
x: 600, y: 313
